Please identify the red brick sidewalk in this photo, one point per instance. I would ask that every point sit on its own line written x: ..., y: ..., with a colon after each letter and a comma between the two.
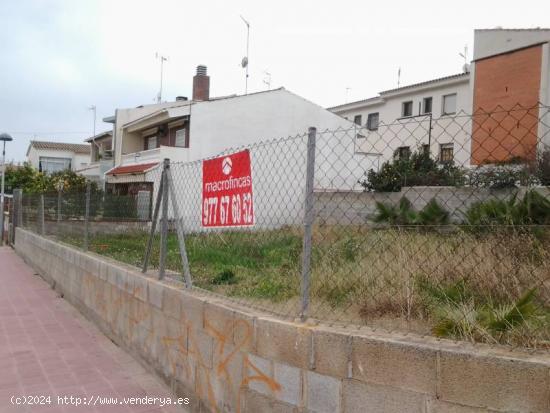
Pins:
x: 47, y: 348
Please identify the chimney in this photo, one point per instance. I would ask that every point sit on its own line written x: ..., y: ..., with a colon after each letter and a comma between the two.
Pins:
x: 201, y: 84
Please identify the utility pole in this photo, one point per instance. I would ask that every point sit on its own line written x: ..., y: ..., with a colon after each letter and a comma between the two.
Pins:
x: 244, y: 62
x: 162, y: 60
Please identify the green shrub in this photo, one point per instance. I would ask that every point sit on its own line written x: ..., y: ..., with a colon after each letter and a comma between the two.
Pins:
x: 405, y: 214
x: 417, y: 170
x: 460, y: 313
x: 532, y: 209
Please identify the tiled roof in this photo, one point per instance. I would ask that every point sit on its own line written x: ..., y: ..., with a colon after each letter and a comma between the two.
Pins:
x: 62, y: 146
x: 132, y: 169
x: 381, y: 94
x: 439, y: 79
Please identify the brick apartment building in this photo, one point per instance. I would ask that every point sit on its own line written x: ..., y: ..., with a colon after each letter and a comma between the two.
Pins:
x: 510, y: 75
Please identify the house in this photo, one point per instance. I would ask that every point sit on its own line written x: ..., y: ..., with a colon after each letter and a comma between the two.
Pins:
x: 509, y: 71
x: 101, y: 157
x: 49, y: 157
x: 190, y: 130
x: 399, y: 120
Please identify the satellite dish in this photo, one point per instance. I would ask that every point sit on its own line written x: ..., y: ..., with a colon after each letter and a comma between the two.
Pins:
x: 244, y: 62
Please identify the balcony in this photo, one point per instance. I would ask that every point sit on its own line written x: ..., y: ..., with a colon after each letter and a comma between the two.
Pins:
x: 175, y: 154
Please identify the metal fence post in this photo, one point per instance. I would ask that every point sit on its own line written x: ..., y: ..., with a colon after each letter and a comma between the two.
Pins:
x: 17, y: 213
x: 164, y: 221
x: 87, y: 216
x: 180, y: 231
x: 59, y: 192
x: 308, y: 221
x: 41, y: 224
x: 153, y: 225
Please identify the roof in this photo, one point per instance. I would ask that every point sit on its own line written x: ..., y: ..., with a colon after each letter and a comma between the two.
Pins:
x: 132, y: 169
x: 83, y: 148
x: 182, y: 108
x: 428, y: 82
x: 99, y: 136
x: 376, y: 99
x: 504, y: 29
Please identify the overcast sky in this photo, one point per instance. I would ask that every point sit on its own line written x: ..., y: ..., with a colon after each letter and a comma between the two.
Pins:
x: 60, y: 57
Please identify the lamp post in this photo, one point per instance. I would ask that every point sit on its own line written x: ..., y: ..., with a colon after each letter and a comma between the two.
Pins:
x: 4, y: 137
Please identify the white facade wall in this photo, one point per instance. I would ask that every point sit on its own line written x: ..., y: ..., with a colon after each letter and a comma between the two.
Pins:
x: 395, y: 131
x: 78, y: 160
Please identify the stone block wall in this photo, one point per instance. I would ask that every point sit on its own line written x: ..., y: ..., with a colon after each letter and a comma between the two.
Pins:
x: 229, y: 359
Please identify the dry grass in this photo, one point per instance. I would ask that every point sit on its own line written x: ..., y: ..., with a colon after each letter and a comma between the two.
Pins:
x: 372, y: 276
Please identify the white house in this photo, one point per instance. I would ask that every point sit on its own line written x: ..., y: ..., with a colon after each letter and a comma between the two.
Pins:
x: 52, y: 157
x: 186, y: 131
x: 426, y: 114
x: 189, y: 130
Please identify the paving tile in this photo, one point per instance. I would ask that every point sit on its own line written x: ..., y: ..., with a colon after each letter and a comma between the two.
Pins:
x: 48, y: 348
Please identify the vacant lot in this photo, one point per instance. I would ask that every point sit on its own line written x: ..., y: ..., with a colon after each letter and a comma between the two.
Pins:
x: 452, y: 282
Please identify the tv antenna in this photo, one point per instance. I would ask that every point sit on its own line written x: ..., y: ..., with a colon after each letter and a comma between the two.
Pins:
x: 162, y: 60
x: 267, y: 79
x: 399, y: 77
x: 466, y: 67
x: 347, y: 93
x: 244, y: 61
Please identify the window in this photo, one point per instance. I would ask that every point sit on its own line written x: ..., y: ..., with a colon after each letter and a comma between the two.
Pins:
x: 427, y: 105
x: 449, y: 104
x: 181, y: 142
x: 446, y: 152
x: 372, y: 121
x: 357, y: 119
x: 50, y: 165
x: 403, y: 152
x: 151, y: 142
x: 407, y: 109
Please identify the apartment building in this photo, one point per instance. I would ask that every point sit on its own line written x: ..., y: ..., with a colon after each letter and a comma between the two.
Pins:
x: 505, y: 88
x: 400, y: 120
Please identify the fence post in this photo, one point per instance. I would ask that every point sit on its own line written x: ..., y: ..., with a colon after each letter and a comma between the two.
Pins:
x: 308, y: 221
x: 17, y: 213
x: 180, y: 231
x: 164, y: 220
x: 153, y: 224
x: 41, y: 224
x: 87, y: 216
x: 59, y: 192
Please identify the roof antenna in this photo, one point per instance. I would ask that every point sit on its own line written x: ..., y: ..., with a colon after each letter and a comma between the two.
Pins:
x: 466, y: 66
x: 162, y: 60
x: 347, y: 93
x: 399, y: 76
x: 244, y: 62
x: 267, y: 79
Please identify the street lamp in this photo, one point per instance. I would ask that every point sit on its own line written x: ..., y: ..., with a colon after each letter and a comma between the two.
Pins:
x: 4, y: 137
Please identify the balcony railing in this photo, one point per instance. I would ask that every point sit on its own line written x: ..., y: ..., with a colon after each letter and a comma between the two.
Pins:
x: 150, y: 155
x: 175, y: 154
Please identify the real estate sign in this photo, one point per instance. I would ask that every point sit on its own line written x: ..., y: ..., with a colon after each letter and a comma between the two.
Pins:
x: 227, y: 191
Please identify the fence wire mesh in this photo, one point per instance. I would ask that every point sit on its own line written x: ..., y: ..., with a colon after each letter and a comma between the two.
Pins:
x: 431, y: 225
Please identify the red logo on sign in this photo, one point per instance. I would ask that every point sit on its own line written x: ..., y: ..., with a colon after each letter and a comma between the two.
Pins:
x: 227, y: 191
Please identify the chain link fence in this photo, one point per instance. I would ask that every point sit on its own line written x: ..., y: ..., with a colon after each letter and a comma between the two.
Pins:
x: 430, y: 225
